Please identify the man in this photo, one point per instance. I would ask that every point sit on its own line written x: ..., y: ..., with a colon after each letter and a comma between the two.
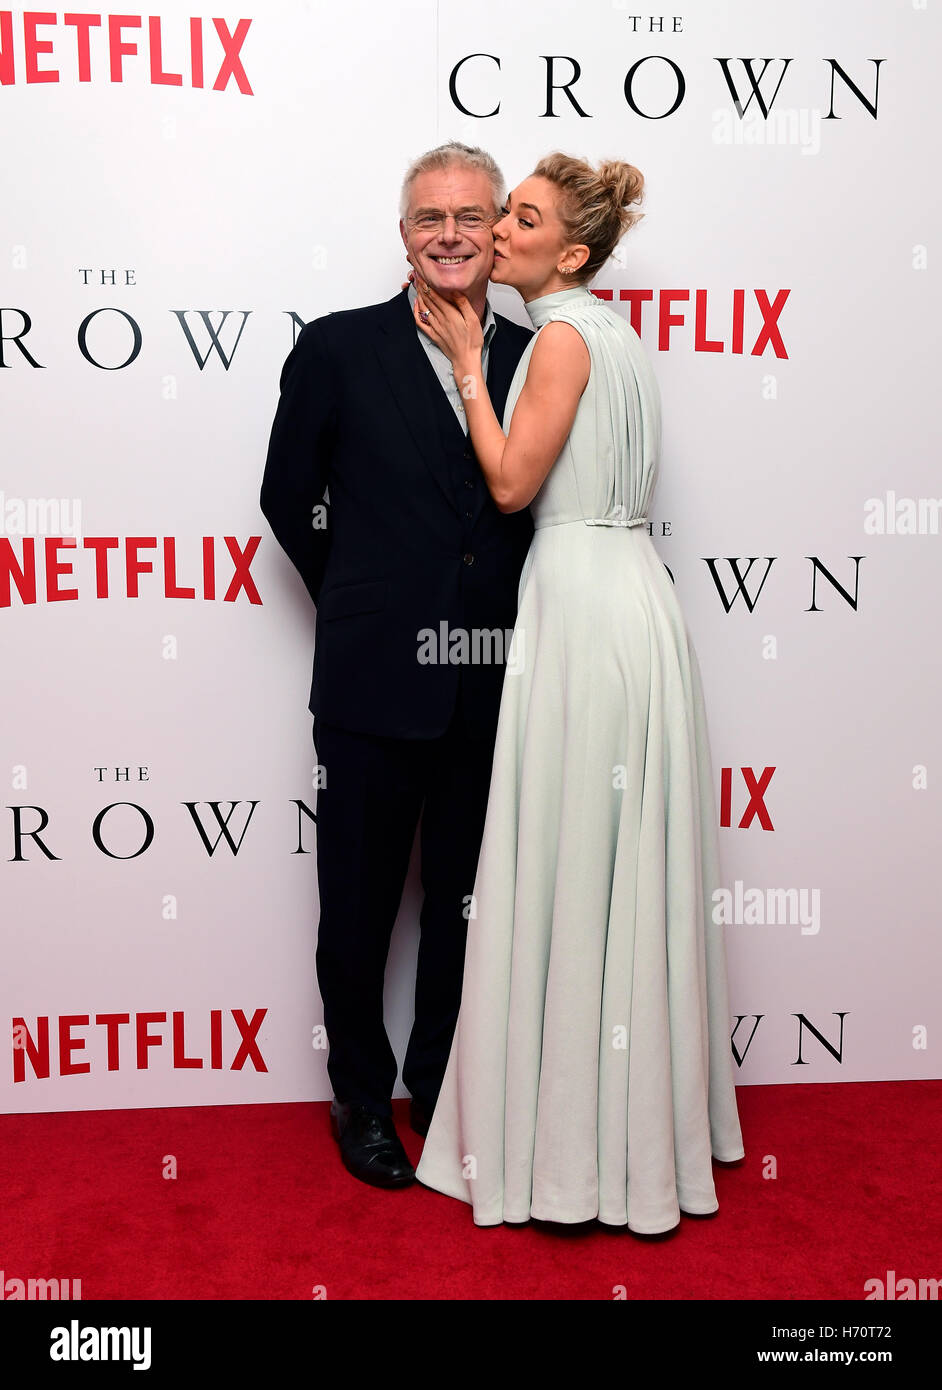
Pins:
x: 370, y: 414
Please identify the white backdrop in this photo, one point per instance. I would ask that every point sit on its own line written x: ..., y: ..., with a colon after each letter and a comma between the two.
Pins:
x: 277, y: 195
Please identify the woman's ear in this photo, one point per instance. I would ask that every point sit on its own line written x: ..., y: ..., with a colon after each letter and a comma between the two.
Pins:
x: 573, y: 258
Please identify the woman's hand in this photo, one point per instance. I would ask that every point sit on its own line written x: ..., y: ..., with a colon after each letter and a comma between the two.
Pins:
x: 454, y: 327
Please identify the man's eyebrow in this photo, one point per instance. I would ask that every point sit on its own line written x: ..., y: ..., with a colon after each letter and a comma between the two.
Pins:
x: 469, y: 207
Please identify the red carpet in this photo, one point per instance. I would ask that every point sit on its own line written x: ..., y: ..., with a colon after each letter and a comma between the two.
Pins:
x: 262, y: 1209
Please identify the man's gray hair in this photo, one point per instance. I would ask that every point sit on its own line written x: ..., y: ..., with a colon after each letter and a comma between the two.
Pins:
x: 444, y: 157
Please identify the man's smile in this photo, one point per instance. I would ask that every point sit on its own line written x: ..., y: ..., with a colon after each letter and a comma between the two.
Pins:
x: 450, y: 260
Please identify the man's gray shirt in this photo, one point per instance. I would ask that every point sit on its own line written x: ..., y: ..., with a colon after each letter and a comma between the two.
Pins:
x: 442, y: 366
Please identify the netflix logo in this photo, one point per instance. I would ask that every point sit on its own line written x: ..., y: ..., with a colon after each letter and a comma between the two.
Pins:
x: 95, y: 47
x: 729, y: 319
x: 43, y: 570
x: 126, y: 1041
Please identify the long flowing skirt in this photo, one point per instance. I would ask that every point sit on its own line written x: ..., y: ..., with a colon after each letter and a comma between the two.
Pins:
x: 591, y: 1072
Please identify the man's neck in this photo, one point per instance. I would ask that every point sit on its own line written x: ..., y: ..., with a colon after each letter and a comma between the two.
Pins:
x: 477, y: 300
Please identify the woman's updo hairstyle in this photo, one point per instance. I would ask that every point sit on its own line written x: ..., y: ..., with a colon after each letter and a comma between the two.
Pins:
x: 595, y: 206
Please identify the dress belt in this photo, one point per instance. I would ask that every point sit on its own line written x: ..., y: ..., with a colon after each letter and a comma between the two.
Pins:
x: 593, y: 521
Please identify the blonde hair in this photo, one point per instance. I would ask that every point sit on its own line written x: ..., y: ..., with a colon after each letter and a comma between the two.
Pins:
x: 595, y: 204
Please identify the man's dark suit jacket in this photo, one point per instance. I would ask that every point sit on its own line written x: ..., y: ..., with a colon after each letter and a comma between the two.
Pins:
x: 361, y: 415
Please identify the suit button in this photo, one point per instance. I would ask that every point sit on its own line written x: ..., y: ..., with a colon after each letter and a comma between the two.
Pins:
x: 467, y: 452
x: 468, y: 559
x: 469, y: 482
x: 469, y: 514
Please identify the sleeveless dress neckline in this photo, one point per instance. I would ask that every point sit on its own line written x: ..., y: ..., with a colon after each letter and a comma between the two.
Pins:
x: 541, y: 310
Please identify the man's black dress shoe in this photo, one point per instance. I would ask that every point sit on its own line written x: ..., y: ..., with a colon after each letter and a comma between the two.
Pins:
x: 370, y: 1148
x: 419, y: 1117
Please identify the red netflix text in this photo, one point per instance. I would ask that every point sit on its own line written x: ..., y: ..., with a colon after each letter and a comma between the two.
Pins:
x: 729, y: 320
x: 43, y: 570
x: 128, y: 1044
x: 99, y: 46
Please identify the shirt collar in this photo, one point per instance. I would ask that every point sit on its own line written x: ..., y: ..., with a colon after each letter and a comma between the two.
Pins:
x: 490, y: 323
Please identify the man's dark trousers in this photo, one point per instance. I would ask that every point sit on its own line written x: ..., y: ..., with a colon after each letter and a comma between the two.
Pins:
x: 367, y: 813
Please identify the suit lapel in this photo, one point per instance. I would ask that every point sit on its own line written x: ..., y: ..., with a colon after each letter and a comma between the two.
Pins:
x: 501, y: 365
x: 411, y: 380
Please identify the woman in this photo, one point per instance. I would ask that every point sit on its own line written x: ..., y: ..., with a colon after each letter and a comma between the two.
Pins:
x: 590, y: 1074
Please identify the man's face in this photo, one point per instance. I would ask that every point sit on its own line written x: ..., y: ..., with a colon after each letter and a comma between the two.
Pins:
x: 451, y: 258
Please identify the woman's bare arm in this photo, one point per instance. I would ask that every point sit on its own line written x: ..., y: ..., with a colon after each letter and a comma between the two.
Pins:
x: 515, y: 465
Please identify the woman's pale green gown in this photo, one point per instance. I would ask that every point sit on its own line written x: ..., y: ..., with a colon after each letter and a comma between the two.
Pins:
x: 591, y: 1072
